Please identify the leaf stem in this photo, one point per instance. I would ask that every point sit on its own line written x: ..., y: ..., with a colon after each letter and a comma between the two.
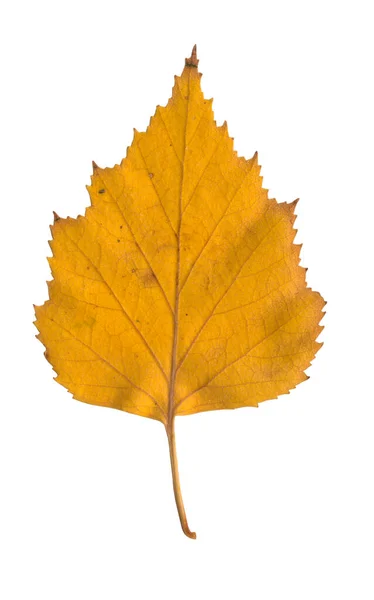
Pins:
x: 176, y: 483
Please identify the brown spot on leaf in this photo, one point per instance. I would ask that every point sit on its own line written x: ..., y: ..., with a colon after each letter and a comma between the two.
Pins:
x: 147, y: 277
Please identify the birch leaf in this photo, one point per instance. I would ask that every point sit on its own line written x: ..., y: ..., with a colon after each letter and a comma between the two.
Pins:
x: 180, y: 289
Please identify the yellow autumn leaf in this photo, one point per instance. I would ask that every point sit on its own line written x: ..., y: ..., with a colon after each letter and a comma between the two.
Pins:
x: 180, y: 289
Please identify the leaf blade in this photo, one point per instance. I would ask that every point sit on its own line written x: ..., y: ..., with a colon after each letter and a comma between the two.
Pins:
x: 180, y: 290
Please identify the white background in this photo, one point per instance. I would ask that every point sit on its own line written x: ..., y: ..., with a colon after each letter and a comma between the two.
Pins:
x: 281, y: 496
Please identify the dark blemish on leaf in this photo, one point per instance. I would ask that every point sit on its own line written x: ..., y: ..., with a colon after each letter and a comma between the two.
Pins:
x: 133, y: 270
x: 118, y: 241
x: 206, y: 282
x: 150, y: 175
x: 120, y: 226
x: 101, y: 191
x: 88, y: 268
x: 186, y: 314
x: 147, y: 277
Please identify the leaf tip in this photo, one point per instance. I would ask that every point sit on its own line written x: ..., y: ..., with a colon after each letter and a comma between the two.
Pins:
x: 95, y: 166
x: 56, y: 217
x: 193, y: 61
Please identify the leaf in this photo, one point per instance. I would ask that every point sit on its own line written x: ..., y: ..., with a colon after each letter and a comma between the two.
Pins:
x: 180, y: 289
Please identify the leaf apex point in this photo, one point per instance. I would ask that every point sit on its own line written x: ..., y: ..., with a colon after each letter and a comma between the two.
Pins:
x: 193, y: 61
x: 95, y: 166
x: 56, y: 217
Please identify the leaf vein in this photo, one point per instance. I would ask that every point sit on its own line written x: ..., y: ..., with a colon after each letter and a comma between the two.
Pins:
x: 135, y: 240
x: 264, y: 339
x: 224, y: 294
x: 202, y: 175
x: 156, y: 191
x: 216, y: 227
x: 168, y: 133
x: 122, y: 307
x: 106, y: 361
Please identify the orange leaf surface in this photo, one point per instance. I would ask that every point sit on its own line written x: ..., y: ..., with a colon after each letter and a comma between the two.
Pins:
x: 180, y: 289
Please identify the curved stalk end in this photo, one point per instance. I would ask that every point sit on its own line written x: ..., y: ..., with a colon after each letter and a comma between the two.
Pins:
x: 176, y: 483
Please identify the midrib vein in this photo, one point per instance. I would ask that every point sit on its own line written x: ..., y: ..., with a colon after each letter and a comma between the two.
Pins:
x: 177, y: 291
